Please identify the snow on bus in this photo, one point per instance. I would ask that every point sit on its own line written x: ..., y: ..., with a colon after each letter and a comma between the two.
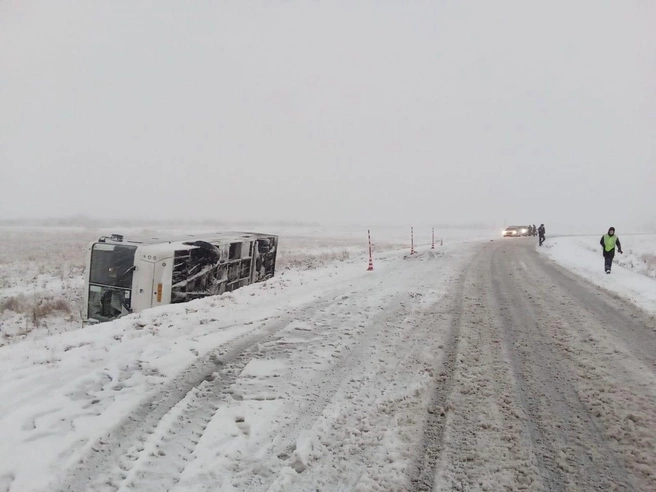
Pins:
x: 128, y: 276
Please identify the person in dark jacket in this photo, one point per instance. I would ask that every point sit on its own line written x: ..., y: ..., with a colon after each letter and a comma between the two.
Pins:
x: 608, y: 242
x: 541, y: 232
x: 534, y: 231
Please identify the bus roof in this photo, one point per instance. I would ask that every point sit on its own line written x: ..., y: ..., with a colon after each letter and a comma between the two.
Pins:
x: 210, y: 237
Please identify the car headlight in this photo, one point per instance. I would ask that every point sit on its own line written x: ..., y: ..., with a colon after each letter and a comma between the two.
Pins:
x: 524, y: 230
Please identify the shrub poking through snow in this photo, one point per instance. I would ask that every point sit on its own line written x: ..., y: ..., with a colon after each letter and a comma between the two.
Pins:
x: 39, y: 307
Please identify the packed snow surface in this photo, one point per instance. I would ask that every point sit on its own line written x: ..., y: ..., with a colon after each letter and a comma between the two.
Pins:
x: 477, y: 366
x: 237, y: 391
x: 633, y: 274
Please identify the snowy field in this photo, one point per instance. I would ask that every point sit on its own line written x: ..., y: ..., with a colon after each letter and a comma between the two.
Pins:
x: 634, y: 272
x: 70, y: 395
x: 448, y: 370
x: 41, y: 268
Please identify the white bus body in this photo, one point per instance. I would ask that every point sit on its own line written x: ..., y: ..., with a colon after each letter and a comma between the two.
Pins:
x: 128, y: 276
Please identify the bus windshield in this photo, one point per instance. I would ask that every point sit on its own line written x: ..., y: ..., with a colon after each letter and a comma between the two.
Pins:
x: 112, y: 265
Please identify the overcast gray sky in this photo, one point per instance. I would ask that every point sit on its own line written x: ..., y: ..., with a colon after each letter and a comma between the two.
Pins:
x: 385, y: 111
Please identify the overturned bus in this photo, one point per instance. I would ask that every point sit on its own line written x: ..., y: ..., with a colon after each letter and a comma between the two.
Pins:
x: 128, y: 276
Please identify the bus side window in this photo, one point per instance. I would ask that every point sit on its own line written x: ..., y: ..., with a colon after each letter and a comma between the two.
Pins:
x: 235, y: 251
x: 180, y: 275
x: 263, y: 246
x: 180, y: 266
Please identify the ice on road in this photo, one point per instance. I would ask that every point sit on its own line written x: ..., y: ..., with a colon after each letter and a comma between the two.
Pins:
x: 478, y: 366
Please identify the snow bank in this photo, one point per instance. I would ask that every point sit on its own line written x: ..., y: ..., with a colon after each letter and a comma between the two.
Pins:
x: 64, y: 390
x: 634, y: 273
x: 64, y: 397
x: 59, y: 392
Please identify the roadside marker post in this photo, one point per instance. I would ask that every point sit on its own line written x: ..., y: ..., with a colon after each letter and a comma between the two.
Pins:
x: 412, y: 240
x: 371, y: 258
x: 433, y: 241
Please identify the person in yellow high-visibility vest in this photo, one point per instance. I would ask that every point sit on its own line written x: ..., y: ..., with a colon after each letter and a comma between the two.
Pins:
x: 608, y: 242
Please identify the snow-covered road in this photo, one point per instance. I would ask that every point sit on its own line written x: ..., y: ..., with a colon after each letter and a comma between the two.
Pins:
x: 551, y: 384
x: 478, y: 366
x: 331, y: 393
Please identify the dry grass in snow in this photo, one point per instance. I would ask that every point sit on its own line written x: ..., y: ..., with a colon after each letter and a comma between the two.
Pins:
x: 42, y: 271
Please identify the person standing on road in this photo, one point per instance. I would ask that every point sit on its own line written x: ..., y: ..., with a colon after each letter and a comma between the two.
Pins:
x: 534, y: 231
x: 608, y: 242
x: 541, y: 232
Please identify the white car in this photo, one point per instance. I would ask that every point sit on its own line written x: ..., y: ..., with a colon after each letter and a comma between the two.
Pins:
x: 516, y: 231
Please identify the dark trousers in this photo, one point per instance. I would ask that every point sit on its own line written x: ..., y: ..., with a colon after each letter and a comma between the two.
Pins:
x: 608, y: 259
x: 541, y: 239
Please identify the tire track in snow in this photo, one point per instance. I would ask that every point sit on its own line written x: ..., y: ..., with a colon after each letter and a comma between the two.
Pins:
x: 515, y: 408
x: 484, y: 417
x: 349, y: 379
x: 611, y: 374
x: 572, y: 453
x: 371, y: 404
x: 634, y: 327
x: 330, y: 382
x: 433, y: 439
x: 326, y: 314
x: 111, y: 459
x: 477, y: 419
x: 165, y: 454
x: 156, y: 462
x: 320, y: 390
x: 153, y: 447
